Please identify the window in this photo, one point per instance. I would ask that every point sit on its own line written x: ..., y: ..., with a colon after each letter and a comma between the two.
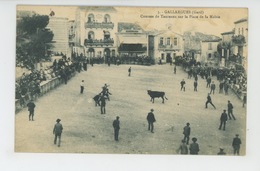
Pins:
x: 242, y: 31
x: 161, y: 40
x: 162, y: 56
x: 106, y: 18
x: 106, y: 35
x: 238, y: 30
x: 113, y: 53
x: 168, y: 41
x: 175, y: 41
x: 91, y: 35
x: 90, y: 18
x: 210, y: 46
x: 209, y: 55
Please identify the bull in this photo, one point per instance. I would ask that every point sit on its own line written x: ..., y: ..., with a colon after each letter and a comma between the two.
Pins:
x: 156, y: 94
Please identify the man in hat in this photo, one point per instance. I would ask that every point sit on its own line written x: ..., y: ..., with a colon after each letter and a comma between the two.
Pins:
x: 129, y: 71
x: 183, y: 148
x: 230, y: 110
x: 223, y: 120
x: 31, y: 107
x: 57, y: 130
x: 116, y: 125
x: 103, y: 104
x: 186, y: 132
x: 183, y: 85
x: 195, y: 85
x: 208, y: 82
x: 209, y: 101
x: 221, y: 151
x: 194, y: 147
x: 236, y: 144
x: 151, y: 119
x: 212, y: 87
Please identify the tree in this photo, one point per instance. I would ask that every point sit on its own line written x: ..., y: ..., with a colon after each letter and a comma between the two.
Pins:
x: 33, y: 40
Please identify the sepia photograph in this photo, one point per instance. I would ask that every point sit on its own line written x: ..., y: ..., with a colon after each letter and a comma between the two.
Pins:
x: 131, y: 80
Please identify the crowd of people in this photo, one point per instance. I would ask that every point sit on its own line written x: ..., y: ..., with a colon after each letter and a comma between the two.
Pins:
x: 232, y: 77
x: 63, y: 68
x: 228, y: 78
x: 28, y: 86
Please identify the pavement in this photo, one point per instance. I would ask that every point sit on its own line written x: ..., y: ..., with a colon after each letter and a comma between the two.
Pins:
x: 86, y: 130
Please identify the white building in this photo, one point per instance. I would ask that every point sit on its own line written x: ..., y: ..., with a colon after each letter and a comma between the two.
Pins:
x: 165, y: 46
x: 208, y: 49
x: 95, y: 32
x: 240, y: 40
x: 59, y: 27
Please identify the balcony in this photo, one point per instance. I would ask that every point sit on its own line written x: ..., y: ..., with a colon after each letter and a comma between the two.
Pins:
x: 168, y: 47
x: 239, y: 40
x: 101, y: 42
x: 97, y: 25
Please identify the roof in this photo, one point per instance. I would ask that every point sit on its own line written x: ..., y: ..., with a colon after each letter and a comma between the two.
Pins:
x: 156, y: 33
x: 130, y: 27
x: 193, y: 39
x: 229, y: 32
x: 217, y: 40
x: 98, y: 8
x: 240, y: 21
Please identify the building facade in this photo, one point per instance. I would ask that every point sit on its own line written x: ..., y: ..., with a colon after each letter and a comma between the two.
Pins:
x: 59, y: 27
x: 132, y: 42
x: 95, y: 29
x: 164, y: 46
x: 240, y: 41
x: 209, y: 50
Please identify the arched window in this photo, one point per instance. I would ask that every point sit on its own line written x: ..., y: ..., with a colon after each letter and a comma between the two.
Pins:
x: 161, y: 40
x: 106, y: 35
x: 107, y: 18
x: 91, y: 18
x: 91, y: 35
x: 113, y: 53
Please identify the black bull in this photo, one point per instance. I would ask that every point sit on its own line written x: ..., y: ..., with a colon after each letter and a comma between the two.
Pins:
x: 156, y: 94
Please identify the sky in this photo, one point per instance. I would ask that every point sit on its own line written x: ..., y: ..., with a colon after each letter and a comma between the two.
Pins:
x: 224, y: 21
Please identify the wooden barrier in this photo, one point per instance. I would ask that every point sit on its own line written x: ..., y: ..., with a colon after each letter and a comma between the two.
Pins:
x: 45, y: 87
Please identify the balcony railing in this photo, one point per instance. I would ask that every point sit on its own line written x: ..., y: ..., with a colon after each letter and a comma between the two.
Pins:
x: 239, y: 40
x: 102, y: 25
x: 168, y: 47
x: 101, y: 42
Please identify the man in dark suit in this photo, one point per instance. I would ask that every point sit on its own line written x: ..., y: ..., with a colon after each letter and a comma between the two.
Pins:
x: 116, y: 125
x: 230, y: 110
x: 209, y: 101
x: 129, y: 72
x: 31, y: 107
x: 183, y: 85
x: 103, y: 104
x: 236, y: 144
x: 212, y: 87
x: 151, y: 119
x: 223, y: 120
x: 195, y: 85
x: 186, y: 132
x: 194, y: 147
x: 57, y: 130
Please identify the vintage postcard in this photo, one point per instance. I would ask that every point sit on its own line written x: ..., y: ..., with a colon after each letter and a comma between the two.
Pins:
x: 131, y: 80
